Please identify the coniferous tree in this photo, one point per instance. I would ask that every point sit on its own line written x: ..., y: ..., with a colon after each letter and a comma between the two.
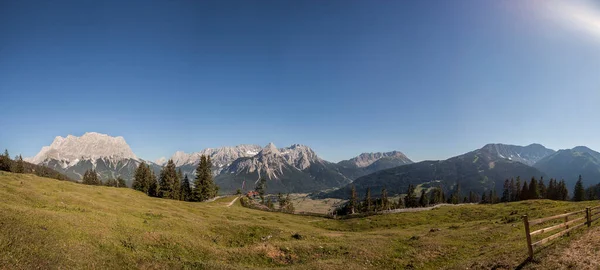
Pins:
x: 205, y: 188
x: 518, y: 194
x: 168, y: 186
x: 511, y: 188
x: 186, y: 189
x: 525, y: 191
x: 110, y: 182
x: 214, y: 189
x: 141, y: 178
x: 455, y: 197
x: 506, y: 192
x: 353, y: 200
x: 384, y: 200
x: 542, y: 189
x: 19, y: 167
x: 436, y: 196
x: 281, y: 200
x: 423, y: 200
x: 289, y: 206
x: 121, y: 182
x: 411, y: 198
x: 90, y: 177
x: 5, y: 162
x: 563, y: 192
x: 152, y: 184
x: 260, y: 187
x: 368, y: 201
x: 579, y: 192
x: 491, y: 197
x: 534, y: 193
x: 590, y: 193
x: 484, y: 198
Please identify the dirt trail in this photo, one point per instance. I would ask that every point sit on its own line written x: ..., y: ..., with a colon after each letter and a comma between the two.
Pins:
x: 582, y: 252
x: 419, y: 209
x: 231, y: 203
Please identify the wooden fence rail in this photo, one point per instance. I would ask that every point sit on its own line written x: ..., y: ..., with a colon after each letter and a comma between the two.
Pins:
x: 591, y: 214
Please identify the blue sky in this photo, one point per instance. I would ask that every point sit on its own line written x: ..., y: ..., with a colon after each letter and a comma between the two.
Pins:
x: 433, y: 79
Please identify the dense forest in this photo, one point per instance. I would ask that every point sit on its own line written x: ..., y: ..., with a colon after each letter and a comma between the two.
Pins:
x: 513, y: 190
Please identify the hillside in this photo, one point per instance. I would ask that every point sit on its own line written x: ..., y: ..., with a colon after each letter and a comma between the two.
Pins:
x: 478, y: 171
x: 367, y: 163
x: 57, y: 224
x: 289, y: 170
x: 568, y: 164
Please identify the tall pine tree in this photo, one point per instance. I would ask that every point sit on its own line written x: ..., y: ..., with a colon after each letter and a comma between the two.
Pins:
x: 411, y: 198
x: 517, y: 191
x: 534, y: 193
x: 204, y: 187
x: 19, y: 166
x: 186, y: 189
x: 5, y: 162
x: 169, y: 182
x: 423, y: 200
x: 352, y: 204
x: 579, y: 191
x: 368, y: 202
x: 525, y: 192
x: 506, y: 192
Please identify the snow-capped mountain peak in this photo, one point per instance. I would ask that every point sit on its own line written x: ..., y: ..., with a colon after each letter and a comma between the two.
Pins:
x: 91, y: 145
x: 219, y: 156
x: 161, y: 161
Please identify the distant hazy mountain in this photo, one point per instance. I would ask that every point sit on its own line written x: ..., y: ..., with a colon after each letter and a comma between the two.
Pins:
x: 525, y: 154
x: 480, y: 170
x: 292, y: 169
x: 367, y: 163
x: 568, y: 164
x: 111, y: 157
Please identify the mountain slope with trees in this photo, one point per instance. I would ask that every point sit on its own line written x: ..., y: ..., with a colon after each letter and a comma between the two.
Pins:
x: 568, y: 164
x: 478, y: 171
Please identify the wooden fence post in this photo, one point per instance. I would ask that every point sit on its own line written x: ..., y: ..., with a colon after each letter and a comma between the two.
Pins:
x: 529, y: 246
x: 588, y: 216
x: 567, y: 224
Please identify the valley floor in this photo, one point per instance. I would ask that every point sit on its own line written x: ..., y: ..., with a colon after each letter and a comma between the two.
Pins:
x: 49, y: 224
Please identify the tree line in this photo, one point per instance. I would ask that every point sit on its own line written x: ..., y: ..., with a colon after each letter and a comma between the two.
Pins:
x: 18, y: 165
x: 536, y: 189
x: 171, y: 184
x: 90, y: 177
x: 513, y: 190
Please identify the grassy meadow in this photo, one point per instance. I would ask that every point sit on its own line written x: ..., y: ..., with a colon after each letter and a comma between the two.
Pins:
x: 49, y: 224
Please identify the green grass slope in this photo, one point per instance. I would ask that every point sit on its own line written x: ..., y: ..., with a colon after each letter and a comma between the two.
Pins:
x: 51, y: 224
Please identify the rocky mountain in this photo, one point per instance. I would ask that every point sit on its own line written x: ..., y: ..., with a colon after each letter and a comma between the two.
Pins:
x: 221, y: 157
x: 568, y: 164
x: 292, y: 169
x: 528, y: 155
x: 480, y: 170
x: 111, y: 157
x: 296, y: 168
x: 367, y: 163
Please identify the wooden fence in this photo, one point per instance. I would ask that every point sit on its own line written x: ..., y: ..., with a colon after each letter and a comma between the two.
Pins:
x: 590, y: 214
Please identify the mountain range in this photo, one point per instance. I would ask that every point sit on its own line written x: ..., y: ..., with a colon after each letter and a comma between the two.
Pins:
x: 298, y: 168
